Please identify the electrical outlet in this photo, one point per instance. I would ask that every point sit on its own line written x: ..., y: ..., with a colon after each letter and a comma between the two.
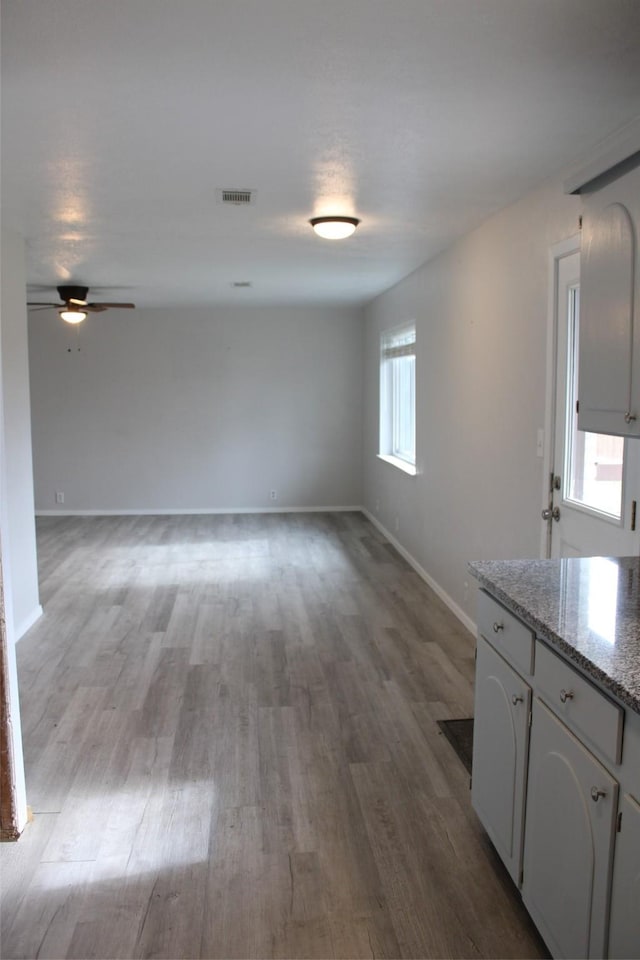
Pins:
x: 273, y: 494
x: 59, y: 496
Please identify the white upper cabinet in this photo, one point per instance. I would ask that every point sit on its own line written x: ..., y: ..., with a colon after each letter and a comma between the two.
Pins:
x: 609, y: 342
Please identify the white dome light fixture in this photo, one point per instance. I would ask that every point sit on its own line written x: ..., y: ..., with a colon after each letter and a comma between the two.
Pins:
x: 334, y: 228
x: 72, y: 314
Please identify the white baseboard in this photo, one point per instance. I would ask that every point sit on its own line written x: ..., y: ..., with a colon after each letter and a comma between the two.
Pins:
x: 464, y: 618
x: 164, y: 512
x: 21, y: 628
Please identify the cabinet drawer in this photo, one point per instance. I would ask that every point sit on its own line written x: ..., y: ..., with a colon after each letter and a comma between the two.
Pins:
x: 579, y: 704
x: 505, y: 632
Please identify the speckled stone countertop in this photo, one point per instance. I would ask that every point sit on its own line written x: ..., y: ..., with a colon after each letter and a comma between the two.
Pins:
x: 589, y: 608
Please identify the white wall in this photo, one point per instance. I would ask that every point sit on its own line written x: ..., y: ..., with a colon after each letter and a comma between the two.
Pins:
x: 19, y: 535
x: 198, y: 409
x: 481, y: 315
x: 17, y: 528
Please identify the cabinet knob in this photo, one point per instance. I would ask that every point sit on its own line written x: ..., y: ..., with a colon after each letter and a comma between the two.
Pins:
x: 596, y: 793
x: 515, y: 699
x: 497, y: 627
x: 566, y: 695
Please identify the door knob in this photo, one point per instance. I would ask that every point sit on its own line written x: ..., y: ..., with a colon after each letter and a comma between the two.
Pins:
x: 551, y: 513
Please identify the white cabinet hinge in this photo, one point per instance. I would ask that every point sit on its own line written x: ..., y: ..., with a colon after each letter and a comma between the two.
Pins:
x: 619, y: 822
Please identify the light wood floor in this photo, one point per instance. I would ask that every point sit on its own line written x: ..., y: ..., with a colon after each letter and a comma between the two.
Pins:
x: 231, y: 747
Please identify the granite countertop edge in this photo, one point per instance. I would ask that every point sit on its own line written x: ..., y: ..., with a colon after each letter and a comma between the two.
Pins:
x: 585, y: 664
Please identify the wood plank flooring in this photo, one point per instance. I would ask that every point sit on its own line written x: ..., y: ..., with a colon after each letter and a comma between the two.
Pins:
x: 232, y: 751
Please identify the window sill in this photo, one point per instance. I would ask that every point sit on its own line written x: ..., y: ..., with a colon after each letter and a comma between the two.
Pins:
x: 400, y: 464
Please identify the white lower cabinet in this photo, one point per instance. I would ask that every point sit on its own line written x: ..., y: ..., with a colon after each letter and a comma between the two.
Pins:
x: 572, y: 803
x: 624, y: 939
x: 502, y: 704
x: 556, y: 784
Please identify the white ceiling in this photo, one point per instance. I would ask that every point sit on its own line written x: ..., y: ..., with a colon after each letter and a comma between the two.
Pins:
x: 122, y: 118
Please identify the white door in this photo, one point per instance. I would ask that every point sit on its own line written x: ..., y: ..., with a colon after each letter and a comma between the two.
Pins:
x: 594, y: 481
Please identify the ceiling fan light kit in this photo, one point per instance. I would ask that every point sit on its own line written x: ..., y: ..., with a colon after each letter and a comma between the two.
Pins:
x: 334, y: 228
x: 72, y: 314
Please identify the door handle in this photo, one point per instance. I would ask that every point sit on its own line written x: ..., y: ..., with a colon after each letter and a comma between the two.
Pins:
x: 551, y: 513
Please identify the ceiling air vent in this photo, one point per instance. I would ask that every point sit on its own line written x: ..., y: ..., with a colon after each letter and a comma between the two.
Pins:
x: 238, y: 198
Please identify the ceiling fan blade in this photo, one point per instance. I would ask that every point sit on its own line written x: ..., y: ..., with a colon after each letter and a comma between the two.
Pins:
x: 31, y: 303
x: 110, y: 306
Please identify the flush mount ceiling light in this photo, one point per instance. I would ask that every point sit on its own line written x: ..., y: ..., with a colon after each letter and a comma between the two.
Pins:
x: 72, y: 314
x: 334, y: 228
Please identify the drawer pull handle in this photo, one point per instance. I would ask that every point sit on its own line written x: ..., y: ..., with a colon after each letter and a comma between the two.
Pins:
x: 497, y: 627
x: 596, y: 793
x: 566, y: 695
x: 515, y: 699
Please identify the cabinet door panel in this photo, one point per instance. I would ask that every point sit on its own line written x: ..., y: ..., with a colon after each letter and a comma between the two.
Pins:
x: 500, y: 741
x: 569, y: 839
x: 624, y: 939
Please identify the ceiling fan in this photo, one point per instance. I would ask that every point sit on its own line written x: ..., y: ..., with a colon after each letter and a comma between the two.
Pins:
x: 75, y: 307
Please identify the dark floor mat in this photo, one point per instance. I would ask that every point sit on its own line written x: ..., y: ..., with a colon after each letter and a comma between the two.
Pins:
x: 459, y: 733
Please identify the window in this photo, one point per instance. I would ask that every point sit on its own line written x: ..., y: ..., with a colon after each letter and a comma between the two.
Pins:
x: 398, y: 396
x: 594, y: 462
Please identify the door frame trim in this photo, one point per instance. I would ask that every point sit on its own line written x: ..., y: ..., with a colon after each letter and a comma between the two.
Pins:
x: 557, y: 252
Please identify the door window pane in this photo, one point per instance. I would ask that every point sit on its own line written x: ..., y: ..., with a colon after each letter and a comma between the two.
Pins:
x: 594, y: 460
